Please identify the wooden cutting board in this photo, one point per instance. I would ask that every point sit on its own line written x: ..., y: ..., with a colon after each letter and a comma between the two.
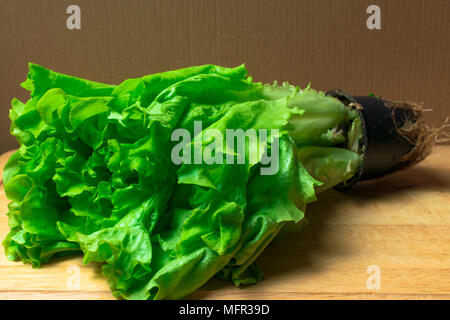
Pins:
x: 384, y: 239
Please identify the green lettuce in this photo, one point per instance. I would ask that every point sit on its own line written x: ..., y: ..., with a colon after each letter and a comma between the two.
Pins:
x: 94, y: 174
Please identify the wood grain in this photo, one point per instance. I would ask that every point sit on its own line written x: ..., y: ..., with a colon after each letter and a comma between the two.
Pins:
x: 400, y: 223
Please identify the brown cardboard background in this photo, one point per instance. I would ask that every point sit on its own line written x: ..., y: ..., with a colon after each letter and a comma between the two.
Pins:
x: 322, y: 41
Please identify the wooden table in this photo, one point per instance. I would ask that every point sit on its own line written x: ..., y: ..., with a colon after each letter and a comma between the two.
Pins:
x: 385, y: 239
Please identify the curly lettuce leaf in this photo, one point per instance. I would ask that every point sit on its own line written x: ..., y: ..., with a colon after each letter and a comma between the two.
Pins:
x: 94, y: 174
